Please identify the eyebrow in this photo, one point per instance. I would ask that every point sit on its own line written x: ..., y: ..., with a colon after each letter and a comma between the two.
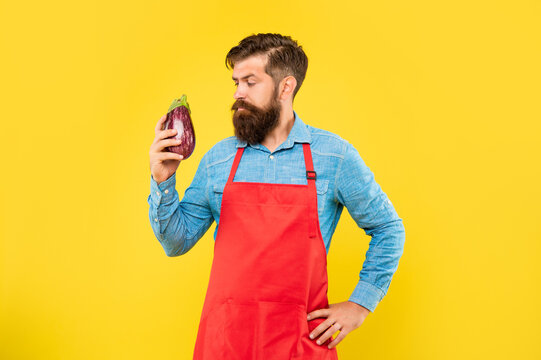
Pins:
x: 245, y: 77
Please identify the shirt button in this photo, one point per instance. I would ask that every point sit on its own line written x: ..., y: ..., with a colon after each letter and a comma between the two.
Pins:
x: 158, y: 193
x: 166, y: 191
x: 156, y: 219
x: 271, y: 157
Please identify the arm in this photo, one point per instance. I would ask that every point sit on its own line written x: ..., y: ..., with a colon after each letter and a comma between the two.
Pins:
x: 179, y: 225
x: 369, y: 206
x: 371, y: 209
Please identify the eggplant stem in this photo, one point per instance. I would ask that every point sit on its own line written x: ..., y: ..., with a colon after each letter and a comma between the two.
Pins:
x: 180, y: 102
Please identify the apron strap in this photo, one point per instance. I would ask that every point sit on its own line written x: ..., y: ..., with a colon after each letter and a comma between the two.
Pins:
x: 311, y: 180
x: 235, y: 165
x: 310, y: 173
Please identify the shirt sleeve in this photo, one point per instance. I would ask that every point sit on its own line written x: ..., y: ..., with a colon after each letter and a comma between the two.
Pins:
x: 372, y: 210
x: 179, y: 225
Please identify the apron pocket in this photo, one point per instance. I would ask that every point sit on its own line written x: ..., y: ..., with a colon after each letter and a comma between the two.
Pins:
x: 264, y: 330
x: 209, y: 343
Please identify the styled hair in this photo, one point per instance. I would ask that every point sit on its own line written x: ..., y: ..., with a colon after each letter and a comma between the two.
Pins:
x: 284, y: 56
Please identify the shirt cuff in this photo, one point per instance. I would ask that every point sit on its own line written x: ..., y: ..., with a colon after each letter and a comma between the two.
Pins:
x: 163, y: 192
x: 366, y: 295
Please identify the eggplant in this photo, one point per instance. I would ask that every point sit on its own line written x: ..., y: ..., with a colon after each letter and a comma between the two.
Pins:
x: 179, y: 118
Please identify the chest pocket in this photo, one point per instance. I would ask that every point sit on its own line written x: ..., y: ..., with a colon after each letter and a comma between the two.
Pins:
x: 218, y: 191
x: 322, y: 187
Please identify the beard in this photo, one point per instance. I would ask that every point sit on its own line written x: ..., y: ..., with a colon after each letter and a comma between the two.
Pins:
x: 252, y: 124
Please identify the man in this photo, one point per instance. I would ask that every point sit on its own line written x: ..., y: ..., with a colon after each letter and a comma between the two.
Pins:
x: 276, y: 190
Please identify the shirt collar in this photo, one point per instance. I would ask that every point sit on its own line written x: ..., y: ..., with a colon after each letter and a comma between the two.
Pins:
x: 299, y: 134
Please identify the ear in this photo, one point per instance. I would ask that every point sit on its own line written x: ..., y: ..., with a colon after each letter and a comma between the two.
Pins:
x: 287, y: 86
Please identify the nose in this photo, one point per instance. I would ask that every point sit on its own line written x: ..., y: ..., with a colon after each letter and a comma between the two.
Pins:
x: 239, y: 94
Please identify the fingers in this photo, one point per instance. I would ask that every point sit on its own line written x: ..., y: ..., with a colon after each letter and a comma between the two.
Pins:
x: 339, y: 338
x: 163, y: 134
x: 159, y: 146
x: 168, y: 142
x: 326, y: 325
x: 318, y: 313
x: 169, y: 156
x: 339, y: 317
x: 159, y: 125
x: 331, y: 329
x: 325, y: 336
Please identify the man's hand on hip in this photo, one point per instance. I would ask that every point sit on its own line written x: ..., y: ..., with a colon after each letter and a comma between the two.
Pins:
x: 345, y: 316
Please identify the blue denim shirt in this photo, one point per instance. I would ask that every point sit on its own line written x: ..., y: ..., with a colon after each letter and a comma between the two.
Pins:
x: 343, y: 179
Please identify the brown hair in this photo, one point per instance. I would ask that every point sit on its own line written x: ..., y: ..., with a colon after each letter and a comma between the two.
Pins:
x: 284, y: 56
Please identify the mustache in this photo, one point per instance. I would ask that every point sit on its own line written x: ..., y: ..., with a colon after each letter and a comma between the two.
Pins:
x: 242, y: 104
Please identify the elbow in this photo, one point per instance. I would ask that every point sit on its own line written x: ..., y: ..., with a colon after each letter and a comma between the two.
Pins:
x: 400, y: 229
x: 172, y: 253
x: 400, y: 234
x: 173, y: 250
x: 171, y: 246
x: 391, y: 233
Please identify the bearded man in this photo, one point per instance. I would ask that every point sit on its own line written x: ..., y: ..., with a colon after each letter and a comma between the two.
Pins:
x: 276, y: 190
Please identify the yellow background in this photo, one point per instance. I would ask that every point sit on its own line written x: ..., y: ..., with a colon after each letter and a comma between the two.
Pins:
x: 442, y: 100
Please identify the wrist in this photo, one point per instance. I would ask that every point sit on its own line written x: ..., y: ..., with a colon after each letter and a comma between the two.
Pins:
x: 361, y: 308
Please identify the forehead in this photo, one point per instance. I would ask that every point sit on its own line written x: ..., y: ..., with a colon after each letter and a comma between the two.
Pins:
x: 252, y: 65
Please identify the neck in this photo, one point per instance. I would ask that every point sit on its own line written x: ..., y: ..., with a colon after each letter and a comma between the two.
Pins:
x: 277, y: 136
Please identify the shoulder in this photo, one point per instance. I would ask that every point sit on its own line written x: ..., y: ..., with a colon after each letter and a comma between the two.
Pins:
x: 222, y: 151
x: 326, y: 142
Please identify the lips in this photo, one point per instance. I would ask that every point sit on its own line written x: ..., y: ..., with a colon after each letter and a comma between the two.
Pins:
x: 239, y: 107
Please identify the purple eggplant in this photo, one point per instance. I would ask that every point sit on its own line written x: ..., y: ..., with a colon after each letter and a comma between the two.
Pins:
x: 178, y: 117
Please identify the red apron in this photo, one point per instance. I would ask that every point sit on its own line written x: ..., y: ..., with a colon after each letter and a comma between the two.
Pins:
x: 269, y: 271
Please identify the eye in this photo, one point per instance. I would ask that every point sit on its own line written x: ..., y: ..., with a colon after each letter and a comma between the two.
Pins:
x: 249, y: 84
